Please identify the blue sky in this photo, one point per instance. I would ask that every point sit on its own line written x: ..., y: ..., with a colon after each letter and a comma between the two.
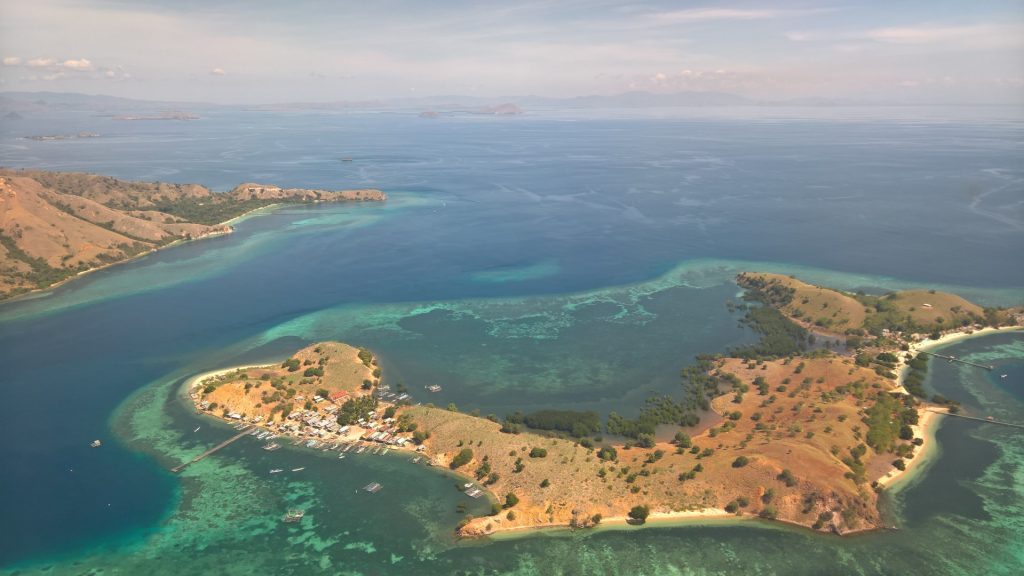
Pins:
x: 315, y: 50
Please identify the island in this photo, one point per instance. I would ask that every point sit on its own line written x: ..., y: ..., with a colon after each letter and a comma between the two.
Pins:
x: 57, y: 225
x: 805, y: 427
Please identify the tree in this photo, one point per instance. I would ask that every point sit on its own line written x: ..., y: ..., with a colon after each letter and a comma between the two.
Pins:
x: 639, y: 513
x: 607, y: 453
x: 682, y: 439
x: 645, y: 440
x: 511, y: 500
x: 538, y: 452
x: 461, y: 459
x: 740, y: 462
x: 787, y: 477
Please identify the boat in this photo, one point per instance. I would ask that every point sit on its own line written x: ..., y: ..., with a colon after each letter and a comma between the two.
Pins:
x: 385, y: 451
x: 416, y: 460
x: 272, y: 446
x: 372, y: 487
x: 294, y: 516
x: 1003, y: 376
x: 341, y: 456
x: 361, y: 450
x: 197, y: 429
x: 96, y: 444
x: 299, y: 469
x: 277, y: 471
x: 433, y: 388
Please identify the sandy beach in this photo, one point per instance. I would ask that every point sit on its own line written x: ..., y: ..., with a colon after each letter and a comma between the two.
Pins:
x: 928, y: 423
x: 948, y: 338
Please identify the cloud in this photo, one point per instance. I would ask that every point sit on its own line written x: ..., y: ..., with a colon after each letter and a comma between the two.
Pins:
x: 12, y: 61
x: 80, y: 64
x: 42, y: 63
x: 713, y: 14
x: 218, y: 72
x: 957, y: 37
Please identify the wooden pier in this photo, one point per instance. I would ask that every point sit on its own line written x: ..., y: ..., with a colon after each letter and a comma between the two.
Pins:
x: 975, y: 418
x: 955, y: 359
x: 245, y: 432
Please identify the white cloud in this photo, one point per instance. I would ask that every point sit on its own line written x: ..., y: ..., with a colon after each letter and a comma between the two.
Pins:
x: 41, y: 62
x: 712, y: 14
x: 955, y: 37
x: 81, y: 64
x: 12, y: 61
x: 218, y: 72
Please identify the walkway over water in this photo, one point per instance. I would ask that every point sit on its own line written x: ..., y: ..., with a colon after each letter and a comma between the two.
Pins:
x: 986, y: 420
x: 955, y: 359
x: 245, y: 432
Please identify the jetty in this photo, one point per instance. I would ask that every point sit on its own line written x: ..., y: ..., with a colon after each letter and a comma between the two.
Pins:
x: 955, y: 359
x: 975, y: 418
x: 245, y: 432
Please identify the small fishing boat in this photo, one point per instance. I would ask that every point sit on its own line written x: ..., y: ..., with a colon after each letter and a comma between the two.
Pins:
x: 197, y: 429
x: 372, y: 487
x: 385, y: 451
x: 272, y: 446
x: 95, y: 444
x: 299, y: 469
x: 341, y: 456
x: 277, y: 471
x: 361, y: 450
x: 433, y: 388
x: 1003, y: 376
x: 294, y: 516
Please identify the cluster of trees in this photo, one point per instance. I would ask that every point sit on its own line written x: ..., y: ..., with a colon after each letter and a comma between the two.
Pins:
x: 578, y: 424
x: 917, y: 371
x: 779, y: 335
x: 355, y: 408
x: 461, y: 459
x: 209, y: 211
x: 889, y: 421
x: 639, y: 513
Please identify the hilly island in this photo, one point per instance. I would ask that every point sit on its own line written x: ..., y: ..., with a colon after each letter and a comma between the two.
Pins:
x: 56, y: 225
x: 807, y: 426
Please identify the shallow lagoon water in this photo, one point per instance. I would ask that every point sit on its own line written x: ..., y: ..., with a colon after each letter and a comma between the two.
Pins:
x: 520, y: 264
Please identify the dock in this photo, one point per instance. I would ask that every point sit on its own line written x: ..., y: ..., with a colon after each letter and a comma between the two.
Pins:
x: 975, y: 418
x: 955, y: 359
x: 245, y: 432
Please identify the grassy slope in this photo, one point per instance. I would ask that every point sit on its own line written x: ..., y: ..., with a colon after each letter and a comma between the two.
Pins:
x: 573, y: 471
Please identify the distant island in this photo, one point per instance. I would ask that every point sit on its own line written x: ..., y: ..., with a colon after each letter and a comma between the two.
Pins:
x: 56, y: 225
x: 160, y: 116
x: 808, y: 427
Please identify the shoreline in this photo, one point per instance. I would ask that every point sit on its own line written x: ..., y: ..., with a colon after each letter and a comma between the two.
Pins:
x: 703, y: 515
x: 928, y: 424
x: 928, y: 345
x: 930, y: 418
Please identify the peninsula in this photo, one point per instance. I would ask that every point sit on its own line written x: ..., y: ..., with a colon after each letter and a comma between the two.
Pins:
x: 57, y: 225
x: 804, y: 431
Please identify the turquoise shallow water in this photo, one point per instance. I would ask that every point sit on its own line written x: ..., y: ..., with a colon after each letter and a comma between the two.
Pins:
x: 539, y: 263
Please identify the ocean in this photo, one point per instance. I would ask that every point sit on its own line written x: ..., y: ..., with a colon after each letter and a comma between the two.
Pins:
x: 567, y: 259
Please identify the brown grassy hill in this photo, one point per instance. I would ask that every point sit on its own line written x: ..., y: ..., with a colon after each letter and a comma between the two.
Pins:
x: 823, y: 308
x: 807, y: 428
x: 54, y: 225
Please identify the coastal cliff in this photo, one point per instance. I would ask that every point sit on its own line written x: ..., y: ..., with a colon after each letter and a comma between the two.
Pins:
x: 56, y: 225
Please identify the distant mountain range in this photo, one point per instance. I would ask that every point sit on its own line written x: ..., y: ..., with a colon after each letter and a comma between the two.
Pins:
x: 15, y: 105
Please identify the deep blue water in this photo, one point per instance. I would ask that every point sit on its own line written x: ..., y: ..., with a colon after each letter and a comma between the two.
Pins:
x: 548, y: 260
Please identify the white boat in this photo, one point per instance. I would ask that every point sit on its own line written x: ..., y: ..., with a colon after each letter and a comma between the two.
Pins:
x: 385, y: 451
x: 277, y: 471
x: 1003, y: 376
x: 340, y: 456
x: 197, y: 429
x: 361, y: 450
x: 95, y: 444
x: 300, y: 469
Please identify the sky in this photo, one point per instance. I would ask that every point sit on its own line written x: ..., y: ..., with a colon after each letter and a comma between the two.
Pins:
x: 255, y: 51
